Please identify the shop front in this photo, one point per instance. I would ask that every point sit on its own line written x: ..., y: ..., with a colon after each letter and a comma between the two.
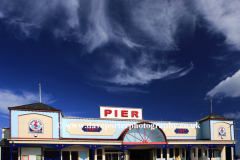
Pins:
x: 41, y: 132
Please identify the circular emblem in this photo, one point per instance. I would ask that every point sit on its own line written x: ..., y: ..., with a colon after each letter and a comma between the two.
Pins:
x: 35, y: 126
x: 222, y: 131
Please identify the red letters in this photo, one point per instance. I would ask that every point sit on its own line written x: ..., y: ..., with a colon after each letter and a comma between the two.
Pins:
x: 135, y: 113
x: 124, y: 113
x: 116, y: 113
x: 107, y: 111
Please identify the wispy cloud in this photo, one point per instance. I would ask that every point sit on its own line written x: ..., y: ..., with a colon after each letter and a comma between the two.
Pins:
x: 223, y: 17
x: 144, y: 70
x: 227, y: 88
x: 124, y: 90
x: 4, y: 116
x: 235, y: 115
x: 9, y: 98
x: 148, y: 26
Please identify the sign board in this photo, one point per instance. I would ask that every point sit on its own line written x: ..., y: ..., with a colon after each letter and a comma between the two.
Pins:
x: 120, y: 113
x: 35, y: 126
x: 181, y: 131
x: 91, y: 128
x: 25, y: 157
x: 221, y: 131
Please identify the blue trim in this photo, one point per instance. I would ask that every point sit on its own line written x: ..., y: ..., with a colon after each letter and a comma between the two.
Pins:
x: 130, y: 146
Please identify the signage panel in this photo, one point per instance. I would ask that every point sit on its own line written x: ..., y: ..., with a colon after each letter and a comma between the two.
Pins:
x: 120, y: 113
x: 181, y: 131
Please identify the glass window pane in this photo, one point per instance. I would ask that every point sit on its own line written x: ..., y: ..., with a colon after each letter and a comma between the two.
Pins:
x: 99, y: 154
x: 176, y: 152
x: 171, y: 152
x: 159, y: 153
x: 216, y: 153
x: 74, y: 155
x: 199, y: 153
x: 164, y: 153
x: 114, y: 156
x: 183, y: 152
x: 66, y: 155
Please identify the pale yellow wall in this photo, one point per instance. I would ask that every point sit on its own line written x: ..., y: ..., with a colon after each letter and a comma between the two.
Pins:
x: 75, y: 128
x: 169, y: 132
x: 228, y: 131
x: 23, y: 126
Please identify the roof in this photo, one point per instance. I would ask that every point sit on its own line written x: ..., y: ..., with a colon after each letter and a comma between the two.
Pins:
x: 4, y: 142
x: 214, y: 116
x: 34, y: 106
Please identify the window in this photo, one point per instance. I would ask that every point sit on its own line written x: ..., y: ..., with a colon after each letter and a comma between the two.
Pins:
x: 66, y: 155
x: 199, y: 153
x: 176, y: 152
x: 205, y: 153
x: 216, y: 153
x: 164, y: 153
x: 99, y: 154
x: 159, y: 153
x: 171, y: 152
x: 193, y: 151
x: 74, y: 155
x: 183, y: 152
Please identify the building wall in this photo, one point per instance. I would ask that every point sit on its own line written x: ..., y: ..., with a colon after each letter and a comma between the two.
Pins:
x: 205, y: 130
x: 215, y: 124
x: 23, y: 126
x: 20, y: 128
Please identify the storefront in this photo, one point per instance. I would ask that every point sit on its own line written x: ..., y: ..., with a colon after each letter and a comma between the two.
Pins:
x: 41, y: 132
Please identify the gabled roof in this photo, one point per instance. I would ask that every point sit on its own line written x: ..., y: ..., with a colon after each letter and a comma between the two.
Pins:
x: 34, y: 106
x: 214, y: 116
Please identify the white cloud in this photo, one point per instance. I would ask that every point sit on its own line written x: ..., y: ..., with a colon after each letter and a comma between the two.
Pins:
x: 146, y: 69
x: 10, y: 99
x: 123, y: 90
x: 224, y: 17
x: 160, y: 20
x: 94, y: 24
x: 235, y: 115
x: 228, y: 87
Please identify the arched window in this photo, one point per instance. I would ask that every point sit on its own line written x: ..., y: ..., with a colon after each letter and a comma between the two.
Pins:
x: 145, y: 133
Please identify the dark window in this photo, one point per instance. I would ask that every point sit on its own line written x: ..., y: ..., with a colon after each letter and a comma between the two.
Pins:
x: 66, y: 155
x: 199, y: 153
x: 74, y: 155
x: 183, y: 152
x: 216, y: 153
x: 159, y: 153
x: 205, y: 152
x: 90, y: 154
x: 164, y: 153
x: 99, y: 154
x: 176, y: 152
x: 171, y: 152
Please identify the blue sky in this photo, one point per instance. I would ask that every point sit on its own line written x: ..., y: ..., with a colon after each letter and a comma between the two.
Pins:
x: 167, y: 57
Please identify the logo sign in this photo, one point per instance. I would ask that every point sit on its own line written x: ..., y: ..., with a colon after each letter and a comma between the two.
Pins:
x: 221, y: 131
x: 181, y: 131
x: 91, y: 129
x: 120, y: 113
x: 35, y: 126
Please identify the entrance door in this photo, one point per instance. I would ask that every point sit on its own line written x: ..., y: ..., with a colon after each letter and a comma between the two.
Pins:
x: 140, y: 154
